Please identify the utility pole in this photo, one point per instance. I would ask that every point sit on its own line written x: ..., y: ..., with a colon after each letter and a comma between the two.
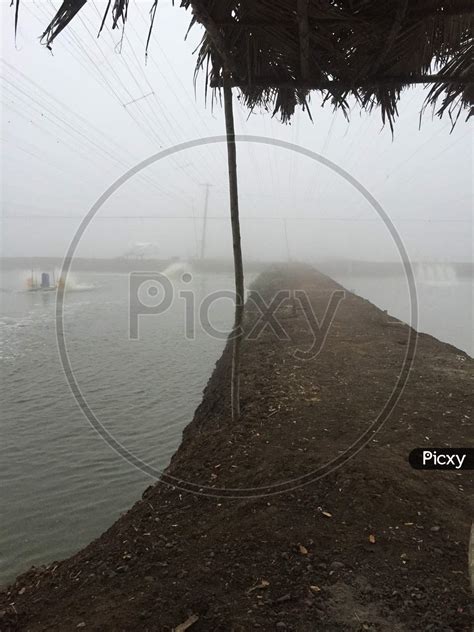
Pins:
x: 286, y: 241
x: 288, y: 257
x: 204, y: 223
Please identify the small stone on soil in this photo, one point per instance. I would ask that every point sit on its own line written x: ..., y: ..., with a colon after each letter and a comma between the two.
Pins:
x: 336, y: 565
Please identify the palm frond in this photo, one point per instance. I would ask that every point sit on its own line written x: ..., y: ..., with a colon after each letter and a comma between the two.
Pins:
x: 365, y: 49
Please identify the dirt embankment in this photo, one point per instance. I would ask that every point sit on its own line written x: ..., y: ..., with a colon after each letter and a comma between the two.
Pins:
x: 372, y: 546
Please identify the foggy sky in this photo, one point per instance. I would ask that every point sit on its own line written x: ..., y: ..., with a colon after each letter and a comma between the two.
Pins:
x: 64, y: 144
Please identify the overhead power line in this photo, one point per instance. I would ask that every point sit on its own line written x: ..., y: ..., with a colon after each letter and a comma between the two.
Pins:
x: 248, y: 217
x: 81, y: 139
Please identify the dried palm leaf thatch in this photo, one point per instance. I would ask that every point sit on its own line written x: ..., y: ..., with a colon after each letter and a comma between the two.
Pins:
x: 278, y: 51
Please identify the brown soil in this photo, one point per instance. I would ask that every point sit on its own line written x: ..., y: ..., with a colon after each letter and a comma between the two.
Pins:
x: 374, y: 545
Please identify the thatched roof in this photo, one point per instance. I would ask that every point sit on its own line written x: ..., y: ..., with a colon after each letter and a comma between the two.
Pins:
x: 278, y: 51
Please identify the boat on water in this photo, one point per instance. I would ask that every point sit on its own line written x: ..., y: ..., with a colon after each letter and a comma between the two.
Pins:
x: 45, y: 284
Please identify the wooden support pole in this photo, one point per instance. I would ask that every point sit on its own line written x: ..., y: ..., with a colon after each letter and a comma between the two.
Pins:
x: 303, y: 29
x: 237, y: 333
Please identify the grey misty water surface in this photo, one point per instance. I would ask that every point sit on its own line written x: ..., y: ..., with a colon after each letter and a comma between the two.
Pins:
x: 61, y: 484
